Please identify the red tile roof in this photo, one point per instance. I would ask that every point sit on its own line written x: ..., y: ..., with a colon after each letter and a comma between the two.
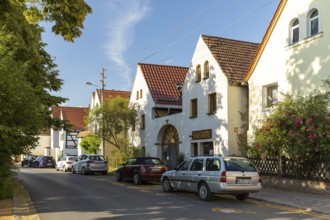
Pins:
x: 73, y: 115
x: 162, y: 80
x: 108, y: 94
x: 234, y: 57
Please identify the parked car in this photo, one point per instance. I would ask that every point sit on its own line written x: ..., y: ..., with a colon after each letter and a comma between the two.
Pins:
x: 141, y: 169
x: 44, y: 162
x: 214, y: 174
x: 65, y: 163
x: 28, y: 160
x: 89, y: 164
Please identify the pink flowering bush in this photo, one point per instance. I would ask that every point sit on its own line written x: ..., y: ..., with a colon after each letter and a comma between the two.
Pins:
x: 297, y: 127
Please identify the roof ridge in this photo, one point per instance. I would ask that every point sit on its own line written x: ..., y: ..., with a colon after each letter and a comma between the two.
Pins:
x: 230, y: 39
x: 151, y: 64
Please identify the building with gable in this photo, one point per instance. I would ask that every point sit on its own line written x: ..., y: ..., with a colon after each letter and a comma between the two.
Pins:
x: 194, y: 110
x: 293, y: 57
x: 64, y: 141
x: 156, y: 90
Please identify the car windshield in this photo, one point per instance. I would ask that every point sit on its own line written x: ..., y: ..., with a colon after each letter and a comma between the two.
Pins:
x: 96, y: 157
x: 239, y: 164
x: 153, y: 161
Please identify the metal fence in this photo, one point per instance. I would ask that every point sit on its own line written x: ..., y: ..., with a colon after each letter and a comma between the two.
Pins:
x: 315, y: 170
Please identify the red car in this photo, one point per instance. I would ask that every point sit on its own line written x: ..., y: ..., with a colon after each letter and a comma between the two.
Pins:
x: 141, y: 169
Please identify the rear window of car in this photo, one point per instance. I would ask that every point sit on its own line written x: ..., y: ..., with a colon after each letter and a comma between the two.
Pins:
x: 239, y: 164
x: 71, y: 158
x: 97, y: 158
x: 153, y: 161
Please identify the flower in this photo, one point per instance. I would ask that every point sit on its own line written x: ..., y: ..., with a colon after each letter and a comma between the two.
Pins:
x: 297, y: 122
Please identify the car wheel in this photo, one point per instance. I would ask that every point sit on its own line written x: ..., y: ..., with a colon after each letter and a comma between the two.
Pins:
x: 22, y: 165
x: 119, y: 176
x: 166, y: 184
x: 137, y: 179
x: 242, y: 197
x: 72, y: 170
x: 105, y: 173
x: 56, y: 168
x: 204, y: 192
x: 65, y: 169
x: 84, y: 172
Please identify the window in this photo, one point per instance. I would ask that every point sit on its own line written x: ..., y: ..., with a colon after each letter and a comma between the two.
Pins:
x: 271, y: 95
x: 198, y: 73
x: 213, y: 164
x: 206, y: 70
x: 295, y: 31
x: 143, y: 122
x: 193, y: 108
x: 314, y: 22
x: 137, y: 95
x: 197, y: 165
x: 140, y: 93
x: 185, y: 165
x: 212, y: 103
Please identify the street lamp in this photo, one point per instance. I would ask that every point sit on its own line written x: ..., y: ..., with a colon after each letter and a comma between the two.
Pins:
x: 102, y: 102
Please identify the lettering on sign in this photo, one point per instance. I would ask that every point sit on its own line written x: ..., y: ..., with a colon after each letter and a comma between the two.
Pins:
x: 202, y: 134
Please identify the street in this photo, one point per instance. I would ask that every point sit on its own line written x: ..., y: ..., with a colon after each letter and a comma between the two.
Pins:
x: 60, y: 195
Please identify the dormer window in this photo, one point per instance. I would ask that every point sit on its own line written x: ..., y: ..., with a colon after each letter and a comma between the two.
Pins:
x: 295, y: 31
x: 198, y: 73
x: 206, y: 70
x: 314, y: 22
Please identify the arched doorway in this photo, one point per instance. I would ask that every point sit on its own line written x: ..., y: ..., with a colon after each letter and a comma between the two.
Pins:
x: 170, y: 146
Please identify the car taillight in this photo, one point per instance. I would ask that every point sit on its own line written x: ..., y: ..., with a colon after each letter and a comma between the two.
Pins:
x: 90, y: 161
x: 68, y: 162
x: 223, y: 177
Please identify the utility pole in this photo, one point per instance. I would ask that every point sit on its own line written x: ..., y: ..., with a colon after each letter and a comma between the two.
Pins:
x: 102, y: 104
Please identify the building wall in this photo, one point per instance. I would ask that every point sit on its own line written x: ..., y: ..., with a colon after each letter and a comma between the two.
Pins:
x: 297, y: 68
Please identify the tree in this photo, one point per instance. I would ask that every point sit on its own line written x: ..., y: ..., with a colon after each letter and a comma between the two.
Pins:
x: 113, y: 119
x: 28, y: 74
x: 91, y: 143
x: 296, y: 127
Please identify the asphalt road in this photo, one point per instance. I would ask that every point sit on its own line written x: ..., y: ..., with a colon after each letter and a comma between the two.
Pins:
x: 60, y: 195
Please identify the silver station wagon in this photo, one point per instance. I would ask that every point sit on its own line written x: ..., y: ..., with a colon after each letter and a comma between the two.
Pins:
x: 214, y: 174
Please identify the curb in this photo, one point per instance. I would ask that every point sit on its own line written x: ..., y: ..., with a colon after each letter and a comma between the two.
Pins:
x: 23, y: 207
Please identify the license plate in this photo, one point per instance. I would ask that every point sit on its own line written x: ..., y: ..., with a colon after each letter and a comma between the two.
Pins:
x: 243, y: 180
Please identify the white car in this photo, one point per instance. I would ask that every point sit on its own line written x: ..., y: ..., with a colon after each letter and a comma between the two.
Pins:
x: 89, y: 164
x: 208, y: 175
x: 65, y: 163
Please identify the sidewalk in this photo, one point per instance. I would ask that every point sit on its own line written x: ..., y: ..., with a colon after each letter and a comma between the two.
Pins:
x: 23, y: 207
x: 304, y: 201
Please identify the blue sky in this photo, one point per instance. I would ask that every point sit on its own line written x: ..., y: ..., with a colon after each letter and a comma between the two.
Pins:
x: 121, y: 33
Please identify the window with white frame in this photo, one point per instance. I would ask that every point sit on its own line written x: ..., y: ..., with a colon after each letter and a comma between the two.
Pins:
x: 206, y: 70
x: 193, y: 108
x: 314, y: 22
x: 295, y: 31
x: 212, y: 103
x: 142, y: 122
x: 271, y: 93
x: 198, y: 73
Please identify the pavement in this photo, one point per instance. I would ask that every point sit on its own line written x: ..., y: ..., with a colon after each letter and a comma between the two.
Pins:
x: 21, y: 206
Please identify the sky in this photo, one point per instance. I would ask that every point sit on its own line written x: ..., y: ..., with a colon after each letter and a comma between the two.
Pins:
x: 119, y: 34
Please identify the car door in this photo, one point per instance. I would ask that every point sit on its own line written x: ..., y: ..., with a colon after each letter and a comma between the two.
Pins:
x: 179, y: 179
x: 128, y: 168
x: 194, y: 174
x: 80, y: 162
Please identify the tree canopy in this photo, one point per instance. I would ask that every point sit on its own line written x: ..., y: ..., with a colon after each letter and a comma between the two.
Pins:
x: 28, y: 74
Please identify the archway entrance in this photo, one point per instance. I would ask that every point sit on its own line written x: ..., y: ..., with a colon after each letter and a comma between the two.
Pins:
x: 170, y: 147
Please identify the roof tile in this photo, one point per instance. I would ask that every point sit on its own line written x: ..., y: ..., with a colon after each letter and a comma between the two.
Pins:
x: 162, y: 80
x: 233, y: 56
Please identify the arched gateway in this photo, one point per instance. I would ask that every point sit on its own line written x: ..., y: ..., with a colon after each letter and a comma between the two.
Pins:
x: 170, y: 146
